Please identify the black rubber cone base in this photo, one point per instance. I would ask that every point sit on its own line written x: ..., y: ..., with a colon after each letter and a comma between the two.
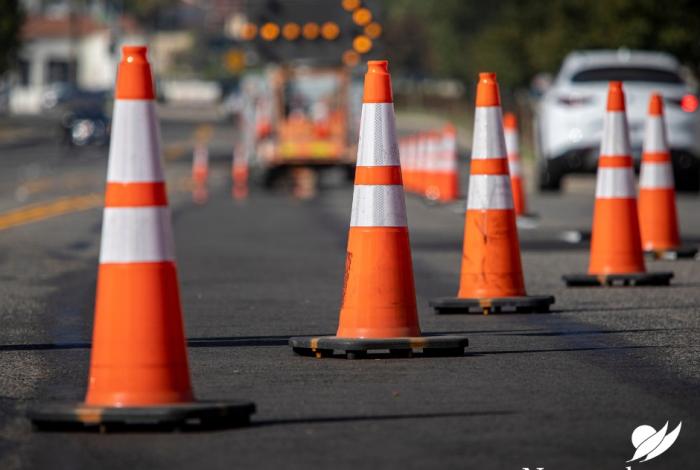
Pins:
x: 358, y: 348
x: 631, y: 279
x: 683, y: 252
x: 486, y: 306
x: 185, y: 416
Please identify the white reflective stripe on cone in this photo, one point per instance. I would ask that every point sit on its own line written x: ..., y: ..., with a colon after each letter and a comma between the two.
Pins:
x: 512, y: 144
x: 136, y: 234
x: 134, y: 149
x: 378, y: 206
x: 377, y: 145
x: 656, y: 176
x: 655, y: 135
x: 616, y: 139
x: 514, y: 167
x: 615, y: 183
x: 489, y: 192
x: 488, y: 133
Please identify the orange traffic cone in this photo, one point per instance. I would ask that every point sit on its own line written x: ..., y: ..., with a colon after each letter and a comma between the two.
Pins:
x: 510, y: 125
x: 432, y: 188
x: 200, y: 173
x: 492, y: 277
x: 239, y: 173
x: 138, y: 370
x: 616, y: 248
x: 447, y: 171
x: 658, y: 219
x: 379, y: 301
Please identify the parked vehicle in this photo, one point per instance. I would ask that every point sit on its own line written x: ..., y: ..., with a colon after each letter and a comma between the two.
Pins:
x: 569, y: 116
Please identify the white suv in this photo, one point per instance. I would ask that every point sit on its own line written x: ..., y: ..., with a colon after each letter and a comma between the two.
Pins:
x: 569, y: 116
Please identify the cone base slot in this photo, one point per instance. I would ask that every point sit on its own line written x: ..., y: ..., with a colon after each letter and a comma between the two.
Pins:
x: 683, y: 252
x: 487, y: 306
x: 631, y: 279
x: 181, y: 416
x: 359, y: 348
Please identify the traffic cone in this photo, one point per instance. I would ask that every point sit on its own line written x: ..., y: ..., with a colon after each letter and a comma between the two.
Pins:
x: 510, y: 125
x: 138, y: 370
x: 447, y: 172
x: 200, y: 172
x: 432, y: 190
x: 492, y: 277
x: 658, y: 219
x: 616, y: 248
x: 379, y: 301
x: 239, y: 173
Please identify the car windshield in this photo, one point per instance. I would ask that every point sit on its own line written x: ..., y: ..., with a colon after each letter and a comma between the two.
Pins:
x: 627, y: 74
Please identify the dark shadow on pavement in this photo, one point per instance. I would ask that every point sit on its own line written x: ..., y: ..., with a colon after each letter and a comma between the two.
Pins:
x: 526, y: 351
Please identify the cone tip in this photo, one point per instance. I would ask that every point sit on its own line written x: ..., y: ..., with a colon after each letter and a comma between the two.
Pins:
x: 510, y: 121
x: 134, y: 80
x: 616, y: 96
x: 378, y: 82
x: 487, y: 90
x: 656, y: 105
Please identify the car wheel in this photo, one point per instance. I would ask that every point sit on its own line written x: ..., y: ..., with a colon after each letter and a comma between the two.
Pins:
x: 549, y: 179
x: 686, y: 172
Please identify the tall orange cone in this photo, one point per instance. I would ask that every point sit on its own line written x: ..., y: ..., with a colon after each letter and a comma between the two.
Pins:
x: 138, y: 370
x: 658, y: 219
x: 492, y: 277
x: 510, y: 125
x: 616, y: 249
x: 379, y: 301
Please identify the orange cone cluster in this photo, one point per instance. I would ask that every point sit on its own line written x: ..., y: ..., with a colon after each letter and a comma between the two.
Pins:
x: 430, y: 164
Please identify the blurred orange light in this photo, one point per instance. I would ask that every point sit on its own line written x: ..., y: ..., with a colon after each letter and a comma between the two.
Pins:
x: 269, y: 31
x: 330, y: 31
x: 248, y: 31
x: 311, y: 31
x: 350, y: 5
x: 362, y: 44
x: 362, y: 16
x: 373, y: 30
x: 351, y: 58
x: 291, y: 31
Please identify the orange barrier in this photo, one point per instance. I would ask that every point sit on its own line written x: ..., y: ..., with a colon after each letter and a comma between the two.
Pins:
x: 658, y: 217
x: 616, y: 249
x: 379, y: 301
x: 492, y: 277
x: 138, y: 368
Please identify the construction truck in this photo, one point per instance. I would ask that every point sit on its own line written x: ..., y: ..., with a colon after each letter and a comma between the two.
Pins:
x: 301, y: 117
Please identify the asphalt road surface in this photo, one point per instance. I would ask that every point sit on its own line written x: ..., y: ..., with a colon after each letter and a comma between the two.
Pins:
x: 562, y: 390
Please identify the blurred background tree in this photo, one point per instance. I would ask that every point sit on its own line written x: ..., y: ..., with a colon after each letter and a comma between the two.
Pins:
x: 520, y: 38
x: 11, y: 18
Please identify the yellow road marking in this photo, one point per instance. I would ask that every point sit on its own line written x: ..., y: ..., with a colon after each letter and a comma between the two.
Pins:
x: 45, y: 210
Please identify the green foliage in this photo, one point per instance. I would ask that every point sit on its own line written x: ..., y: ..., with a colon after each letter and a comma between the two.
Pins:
x: 11, y: 18
x: 519, y: 38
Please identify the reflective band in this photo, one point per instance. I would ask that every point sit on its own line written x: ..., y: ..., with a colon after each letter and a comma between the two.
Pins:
x: 656, y: 175
x: 488, y: 133
x: 622, y: 161
x: 135, y: 194
x: 378, y: 206
x: 134, y: 151
x: 491, y: 166
x: 616, y: 140
x: 512, y: 144
x: 489, y: 192
x: 136, y: 234
x: 660, y: 157
x: 378, y: 175
x: 615, y: 183
x: 655, y: 135
x: 514, y: 167
x: 377, y: 145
